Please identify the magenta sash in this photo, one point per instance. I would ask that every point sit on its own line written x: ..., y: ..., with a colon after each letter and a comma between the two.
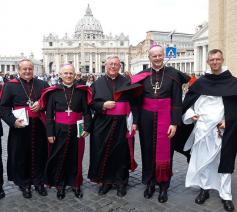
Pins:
x: 31, y: 113
x: 121, y: 108
x: 63, y: 118
x: 163, y: 158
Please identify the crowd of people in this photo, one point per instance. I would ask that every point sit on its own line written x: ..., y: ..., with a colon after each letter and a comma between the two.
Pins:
x: 50, y: 117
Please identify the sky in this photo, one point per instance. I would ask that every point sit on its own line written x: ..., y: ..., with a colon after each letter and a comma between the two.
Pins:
x: 23, y: 23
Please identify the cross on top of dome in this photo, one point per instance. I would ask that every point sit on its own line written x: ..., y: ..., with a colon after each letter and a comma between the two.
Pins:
x: 89, y: 26
x: 88, y: 11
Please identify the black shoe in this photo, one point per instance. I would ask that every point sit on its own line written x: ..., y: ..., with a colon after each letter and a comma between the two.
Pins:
x: 61, y: 193
x: 121, y: 190
x: 228, y: 205
x: 104, y: 189
x: 78, y: 193
x: 202, y: 196
x: 163, y: 196
x: 2, y: 193
x: 148, y: 193
x: 41, y: 190
x: 26, y: 192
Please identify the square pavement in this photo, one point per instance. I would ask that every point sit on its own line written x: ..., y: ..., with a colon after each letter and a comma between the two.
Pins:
x: 180, y: 198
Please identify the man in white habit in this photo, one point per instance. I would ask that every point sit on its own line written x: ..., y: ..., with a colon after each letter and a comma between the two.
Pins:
x: 210, y: 106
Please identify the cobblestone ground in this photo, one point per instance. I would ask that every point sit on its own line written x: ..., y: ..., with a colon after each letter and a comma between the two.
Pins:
x: 180, y: 198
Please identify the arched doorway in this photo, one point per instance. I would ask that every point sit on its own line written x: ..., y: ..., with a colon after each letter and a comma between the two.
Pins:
x: 122, y: 66
x: 50, y: 67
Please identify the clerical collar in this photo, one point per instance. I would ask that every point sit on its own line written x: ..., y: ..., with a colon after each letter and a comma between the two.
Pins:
x: 68, y: 86
x: 112, y: 78
x: 26, y: 81
x: 157, y: 70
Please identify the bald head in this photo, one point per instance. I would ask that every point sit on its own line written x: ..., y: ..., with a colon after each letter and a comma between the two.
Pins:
x: 156, y: 57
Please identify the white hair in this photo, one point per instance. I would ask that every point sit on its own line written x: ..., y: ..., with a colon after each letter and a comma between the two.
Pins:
x: 112, y: 57
x: 67, y: 64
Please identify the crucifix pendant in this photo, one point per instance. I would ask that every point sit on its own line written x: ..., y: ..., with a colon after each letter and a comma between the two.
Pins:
x: 68, y: 111
x: 30, y: 103
x: 156, y: 87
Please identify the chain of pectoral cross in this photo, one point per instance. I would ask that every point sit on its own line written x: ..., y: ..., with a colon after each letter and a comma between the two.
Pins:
x: 157, y: 84
x: 29, y: 101
x: 68, y: 102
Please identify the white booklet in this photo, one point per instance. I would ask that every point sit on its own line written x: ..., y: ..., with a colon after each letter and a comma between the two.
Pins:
x: 22, y: 114
x: 80, y: 126
x: 129, y: 122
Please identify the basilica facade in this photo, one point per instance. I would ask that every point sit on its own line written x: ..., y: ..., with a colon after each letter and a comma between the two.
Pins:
x: 87, y: 49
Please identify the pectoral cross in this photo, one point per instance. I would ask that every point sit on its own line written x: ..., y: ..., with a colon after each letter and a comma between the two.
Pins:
x: 68, y: 111
x: 156, y: 87
x: 30, y: 103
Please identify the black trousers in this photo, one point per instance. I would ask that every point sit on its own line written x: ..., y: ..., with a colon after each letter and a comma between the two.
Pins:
x: 1, y: 165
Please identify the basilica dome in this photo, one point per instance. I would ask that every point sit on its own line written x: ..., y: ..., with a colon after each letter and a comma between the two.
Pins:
x: 89, y: 26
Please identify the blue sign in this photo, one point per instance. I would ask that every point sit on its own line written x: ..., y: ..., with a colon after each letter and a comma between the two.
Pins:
x: 170, y: 52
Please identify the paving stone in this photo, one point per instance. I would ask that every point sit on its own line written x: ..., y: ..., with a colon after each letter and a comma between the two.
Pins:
x: 180, y: 198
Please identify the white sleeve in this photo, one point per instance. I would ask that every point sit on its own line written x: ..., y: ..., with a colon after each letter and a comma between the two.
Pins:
x: 187, y: 117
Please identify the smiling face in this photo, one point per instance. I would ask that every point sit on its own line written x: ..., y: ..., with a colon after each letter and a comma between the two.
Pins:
x: 113, y: 66
x: 156, y: 57
x: 215, y: 61
x: 67, y: 74
x: 26, y: 70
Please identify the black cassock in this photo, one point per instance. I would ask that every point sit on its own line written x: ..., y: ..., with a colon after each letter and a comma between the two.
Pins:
x: 170, y: 82
x: 109, y: 149
x: 27, y: 147
x: 1, y: 134
x: 64, y: 164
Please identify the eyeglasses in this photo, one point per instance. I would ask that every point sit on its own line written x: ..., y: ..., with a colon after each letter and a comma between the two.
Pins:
x: 114, y: 64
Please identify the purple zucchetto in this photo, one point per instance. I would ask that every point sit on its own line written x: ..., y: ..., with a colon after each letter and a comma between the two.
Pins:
x: 154, y: 44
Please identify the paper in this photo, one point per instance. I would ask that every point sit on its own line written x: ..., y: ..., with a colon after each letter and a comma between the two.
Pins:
x: 129, y: 123
x: 22, y: 114
x: 80, y: 128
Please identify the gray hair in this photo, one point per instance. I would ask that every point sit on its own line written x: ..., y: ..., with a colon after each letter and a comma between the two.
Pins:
x: 67, y: 64
x: 24, y: 60
x: 111, y: 57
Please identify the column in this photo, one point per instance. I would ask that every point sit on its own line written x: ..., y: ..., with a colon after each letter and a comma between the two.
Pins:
x: 91, y: 63
x: 77, y: 67
x: 126, y: 65
x: 204, y: 58
x: 74, y: 60
x: 10, y: 68
x: 57, y: 64
x: 196, y: 60
x: 2, y: 68
x: 96, y: 63
x: 46, y: 64
x: 66, y: 58
x: 99, y: 63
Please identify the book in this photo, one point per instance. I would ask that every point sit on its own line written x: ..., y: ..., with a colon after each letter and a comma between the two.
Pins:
x: 22, y: 114
x: 80, y: 126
